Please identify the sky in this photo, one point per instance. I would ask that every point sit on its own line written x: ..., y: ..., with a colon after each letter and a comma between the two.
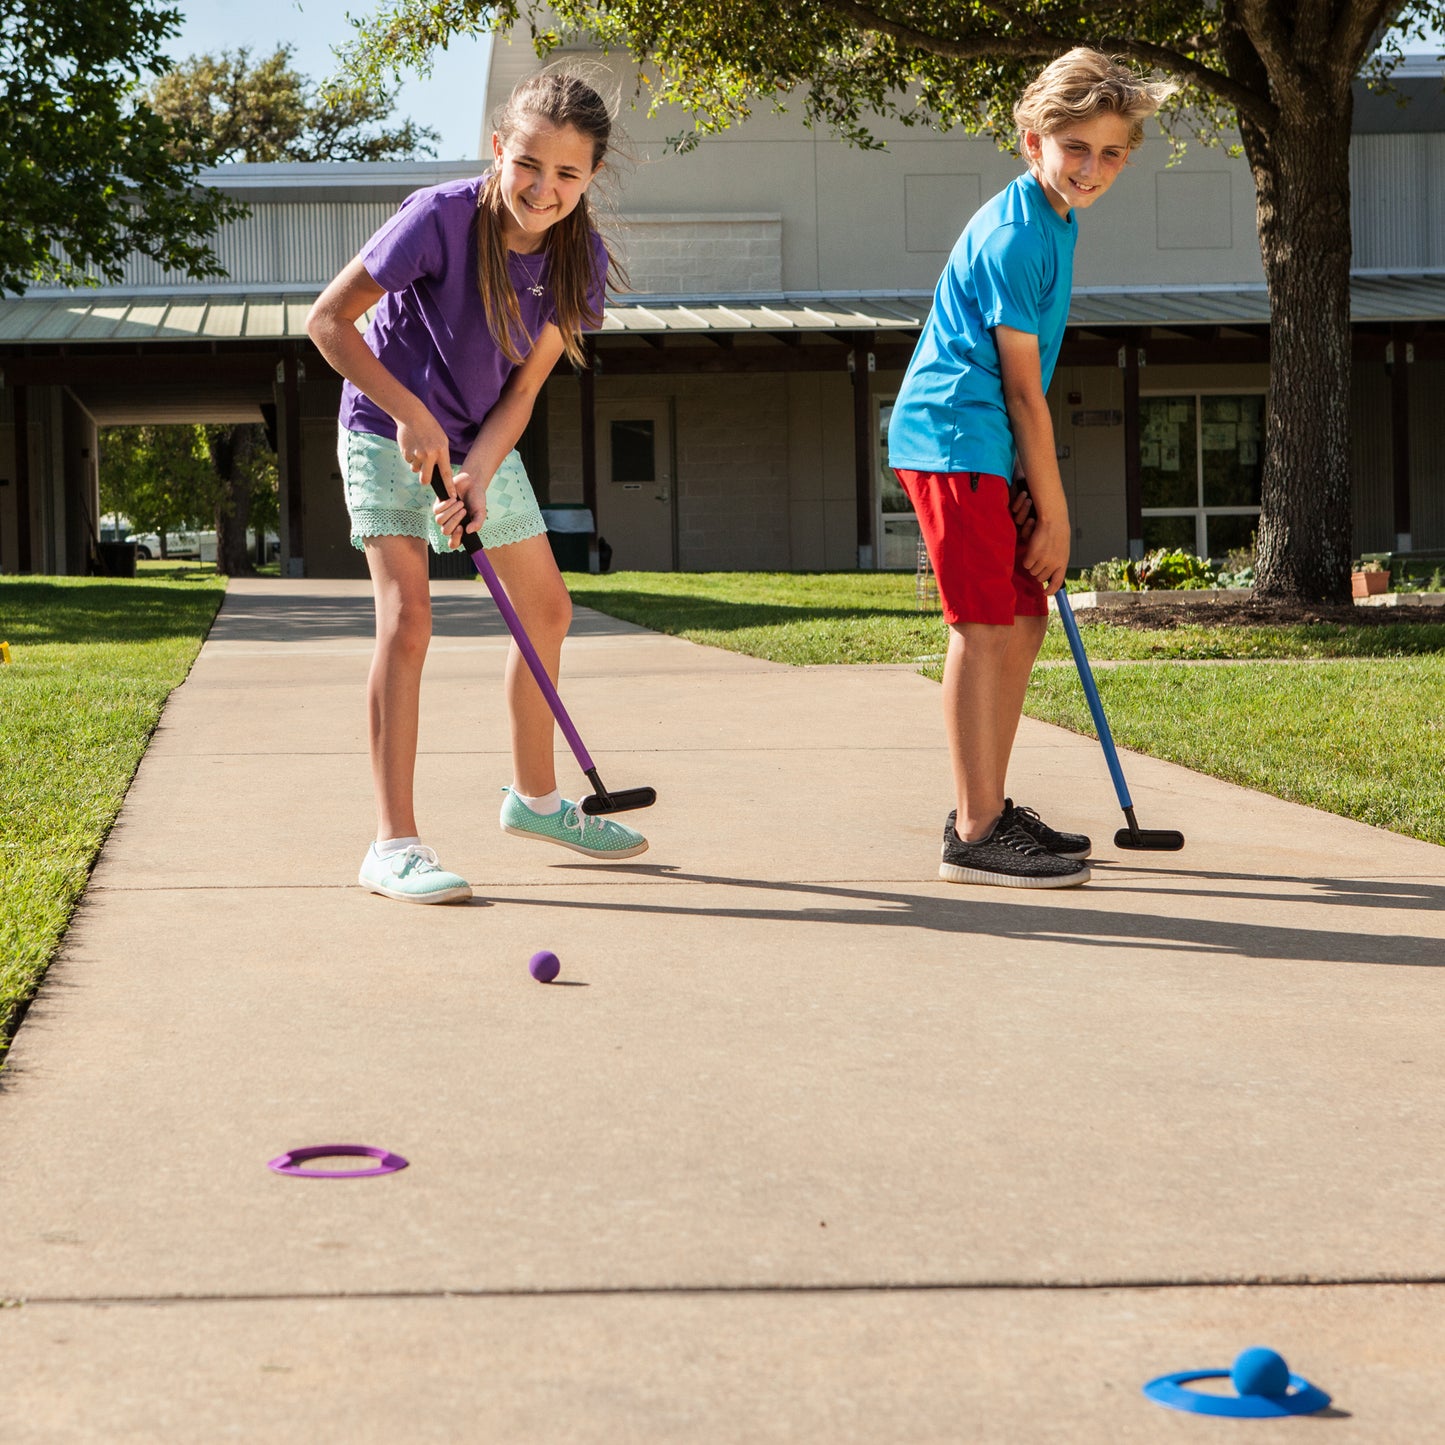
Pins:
x: 449, y: 101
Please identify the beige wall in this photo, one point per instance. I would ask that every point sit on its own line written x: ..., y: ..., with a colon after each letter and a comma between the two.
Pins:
x: 885, y: 220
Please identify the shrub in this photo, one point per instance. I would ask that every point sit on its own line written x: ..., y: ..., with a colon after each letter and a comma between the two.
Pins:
x: 1112, y: 576
x: 1173, y: 570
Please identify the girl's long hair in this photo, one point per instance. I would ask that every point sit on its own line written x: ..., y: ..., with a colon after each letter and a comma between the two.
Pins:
x: 561, y: 99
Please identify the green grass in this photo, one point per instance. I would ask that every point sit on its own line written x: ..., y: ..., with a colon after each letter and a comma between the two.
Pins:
x: 873, y: 617
x: 1359, y: 730
x: 92, y: 663
x: 1364, y: 739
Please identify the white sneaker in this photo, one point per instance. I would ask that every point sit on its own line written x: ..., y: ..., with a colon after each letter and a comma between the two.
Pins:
x: 412, y: 875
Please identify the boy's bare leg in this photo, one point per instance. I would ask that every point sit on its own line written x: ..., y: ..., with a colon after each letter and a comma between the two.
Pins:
x: 985, y: 675
x: 393, y: 688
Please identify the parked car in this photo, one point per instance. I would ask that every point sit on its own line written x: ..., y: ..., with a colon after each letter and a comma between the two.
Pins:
x: 182, y: 546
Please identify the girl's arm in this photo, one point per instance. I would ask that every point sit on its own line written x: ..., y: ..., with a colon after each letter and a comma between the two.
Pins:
x: 500, y: 433
x: 1046, y: 550
x: 331, y: 324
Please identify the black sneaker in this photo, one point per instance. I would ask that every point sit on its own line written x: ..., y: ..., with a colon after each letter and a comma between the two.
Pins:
x: 1061, y: 845
x: 1008, y: 857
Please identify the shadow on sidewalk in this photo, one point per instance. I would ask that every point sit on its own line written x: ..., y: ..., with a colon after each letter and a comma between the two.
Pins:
x: 980, y: 912
x: 290, y: 618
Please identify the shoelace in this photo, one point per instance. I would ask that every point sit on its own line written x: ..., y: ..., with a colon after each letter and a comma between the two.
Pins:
x: 1016, y: 838
x: 576, y: 818
x: 414, y: 858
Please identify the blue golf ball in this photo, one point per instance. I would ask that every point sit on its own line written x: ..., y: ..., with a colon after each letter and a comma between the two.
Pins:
x: 1258, y: 1371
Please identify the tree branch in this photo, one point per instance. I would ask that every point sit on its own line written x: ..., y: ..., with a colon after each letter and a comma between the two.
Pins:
x: 1357, y: 28
x: 1041, y: 43
x: 1259, y: 20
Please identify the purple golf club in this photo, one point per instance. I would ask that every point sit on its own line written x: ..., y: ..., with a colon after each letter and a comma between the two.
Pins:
x: 599, y: 801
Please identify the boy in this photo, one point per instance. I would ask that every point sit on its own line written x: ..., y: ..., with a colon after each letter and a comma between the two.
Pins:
x: 971, y: 415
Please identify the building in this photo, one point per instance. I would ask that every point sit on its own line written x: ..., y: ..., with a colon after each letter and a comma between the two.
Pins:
x: 735, y: 410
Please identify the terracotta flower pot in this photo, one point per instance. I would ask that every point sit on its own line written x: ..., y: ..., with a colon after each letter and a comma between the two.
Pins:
x: 1368, y: 584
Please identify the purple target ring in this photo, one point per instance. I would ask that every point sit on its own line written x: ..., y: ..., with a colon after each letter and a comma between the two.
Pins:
x: 292, y: 1159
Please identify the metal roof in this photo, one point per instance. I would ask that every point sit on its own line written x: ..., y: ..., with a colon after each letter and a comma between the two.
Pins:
x: 227, y: 314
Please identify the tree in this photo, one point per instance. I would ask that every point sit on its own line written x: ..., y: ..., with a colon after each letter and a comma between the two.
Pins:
x: 160, y: 477
x: 87, y: 170
x: 1281, y: 71
x: 228, y: 108
x: 166, y: 478
x: 245, y: 474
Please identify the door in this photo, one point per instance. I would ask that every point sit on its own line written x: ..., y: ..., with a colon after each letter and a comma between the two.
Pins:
x: 634, y: 485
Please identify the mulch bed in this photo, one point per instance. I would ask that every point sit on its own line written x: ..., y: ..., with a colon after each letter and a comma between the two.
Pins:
x: 1160, y: 615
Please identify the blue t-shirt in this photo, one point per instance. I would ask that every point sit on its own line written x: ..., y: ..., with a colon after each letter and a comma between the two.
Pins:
x: 1013, y: 266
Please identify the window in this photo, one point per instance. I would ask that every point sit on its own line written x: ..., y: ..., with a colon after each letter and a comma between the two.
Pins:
x: 897, y: 526
x: 1199, y: 469
x: 633, y: 452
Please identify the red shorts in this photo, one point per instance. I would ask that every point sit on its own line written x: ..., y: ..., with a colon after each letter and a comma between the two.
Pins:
x: 974, y: 546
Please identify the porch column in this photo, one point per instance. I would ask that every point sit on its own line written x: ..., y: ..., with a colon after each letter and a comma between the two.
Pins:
x: 860, y: 363
x: 1131, y: 356
x: 1399, y: 355
x: 293, y: 536
x: 24, y: 536
x: 586, y: 379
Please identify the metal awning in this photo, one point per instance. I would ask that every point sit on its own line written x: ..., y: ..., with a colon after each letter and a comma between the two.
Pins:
x: 218, y: 314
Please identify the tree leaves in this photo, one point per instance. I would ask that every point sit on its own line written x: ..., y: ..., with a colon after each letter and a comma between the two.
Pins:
x: 228, y: 107
x: 87, y: 170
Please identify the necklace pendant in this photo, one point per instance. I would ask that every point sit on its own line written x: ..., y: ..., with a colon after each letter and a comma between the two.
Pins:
x: 536, y: 288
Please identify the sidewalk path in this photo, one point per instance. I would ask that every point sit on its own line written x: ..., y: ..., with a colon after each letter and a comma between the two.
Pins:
x: 813, y: 1148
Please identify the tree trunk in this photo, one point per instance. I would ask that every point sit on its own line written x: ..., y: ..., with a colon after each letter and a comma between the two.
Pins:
x: 1301, y: 174
x: 229, y: 451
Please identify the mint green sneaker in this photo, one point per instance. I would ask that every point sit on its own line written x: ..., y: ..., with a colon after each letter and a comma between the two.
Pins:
x: 412, y: 876
x: 571, y: 828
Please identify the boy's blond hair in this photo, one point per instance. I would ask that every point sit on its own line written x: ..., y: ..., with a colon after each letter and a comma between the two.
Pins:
x: 1084, y: 83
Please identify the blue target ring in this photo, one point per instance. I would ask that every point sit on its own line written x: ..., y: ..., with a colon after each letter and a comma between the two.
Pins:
x: 1172, y: 1391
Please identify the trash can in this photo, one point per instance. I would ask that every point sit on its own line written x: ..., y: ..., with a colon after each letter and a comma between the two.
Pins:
x: 116, y: 559
x: 569, y: 531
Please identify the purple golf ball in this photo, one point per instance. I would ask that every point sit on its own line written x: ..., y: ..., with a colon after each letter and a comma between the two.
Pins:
x: 544, y: 966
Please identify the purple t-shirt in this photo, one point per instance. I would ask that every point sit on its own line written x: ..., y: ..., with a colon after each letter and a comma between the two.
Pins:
x: 430, y: 329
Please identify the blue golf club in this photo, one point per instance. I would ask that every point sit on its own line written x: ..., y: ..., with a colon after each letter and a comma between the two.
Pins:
x: 1162, y: 840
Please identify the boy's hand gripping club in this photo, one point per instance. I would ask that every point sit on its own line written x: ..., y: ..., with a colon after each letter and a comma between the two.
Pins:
x: 600, y: 801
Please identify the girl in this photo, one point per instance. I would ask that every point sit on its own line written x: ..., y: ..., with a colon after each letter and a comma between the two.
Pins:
x: 479, y: 286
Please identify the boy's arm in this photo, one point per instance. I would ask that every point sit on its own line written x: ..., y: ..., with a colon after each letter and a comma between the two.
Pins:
x: 1046, y: 550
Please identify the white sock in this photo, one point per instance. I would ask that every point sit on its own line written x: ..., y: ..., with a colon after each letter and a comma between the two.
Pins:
x: 385, y: 847
x: 546, y: 805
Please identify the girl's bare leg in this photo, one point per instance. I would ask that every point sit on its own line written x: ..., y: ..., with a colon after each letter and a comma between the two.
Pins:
x: 529, y: 573
x: 393, y: 690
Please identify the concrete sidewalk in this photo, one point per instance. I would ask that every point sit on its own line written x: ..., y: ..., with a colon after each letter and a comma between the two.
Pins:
x: 813, y: 1147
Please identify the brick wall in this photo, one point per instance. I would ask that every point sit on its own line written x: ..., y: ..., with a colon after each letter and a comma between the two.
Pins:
x: 731, y: 480
x: 671, y: 255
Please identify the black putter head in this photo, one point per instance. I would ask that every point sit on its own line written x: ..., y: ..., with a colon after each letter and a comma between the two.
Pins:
x: 619, y: 802
x: 1148, y: 840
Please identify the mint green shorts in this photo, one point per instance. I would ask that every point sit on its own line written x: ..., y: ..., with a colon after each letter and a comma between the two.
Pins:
x: 385, y: 499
